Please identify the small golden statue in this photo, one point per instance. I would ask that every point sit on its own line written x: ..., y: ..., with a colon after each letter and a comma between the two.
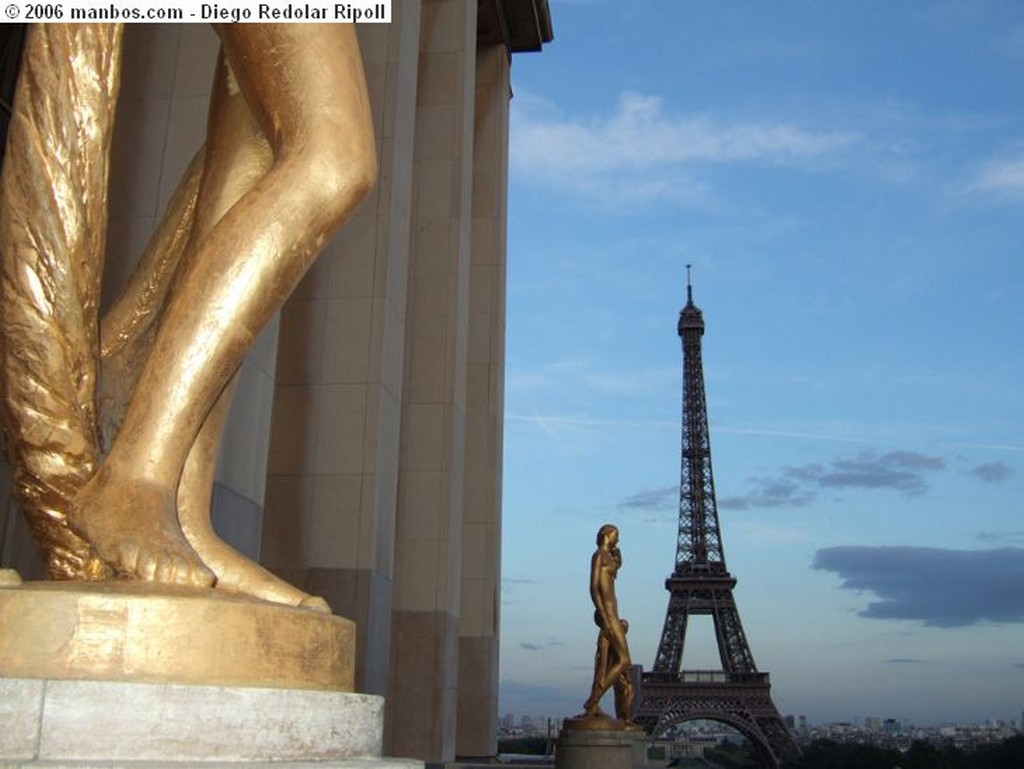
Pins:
x: 611, y: 660
x: 113, y: 423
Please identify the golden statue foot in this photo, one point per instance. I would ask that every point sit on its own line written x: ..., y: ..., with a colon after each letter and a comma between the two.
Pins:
x: 315, y: 603
x: 237, y: 574
x: 132, y: 525
x: 592, y: 709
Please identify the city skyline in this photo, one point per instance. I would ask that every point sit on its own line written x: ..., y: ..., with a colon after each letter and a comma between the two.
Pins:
x: 511, y: 721
x: 848, y: 184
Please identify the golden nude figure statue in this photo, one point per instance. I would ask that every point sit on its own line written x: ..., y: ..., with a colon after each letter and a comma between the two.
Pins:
x: 612, y: 660
x: 113, y: 423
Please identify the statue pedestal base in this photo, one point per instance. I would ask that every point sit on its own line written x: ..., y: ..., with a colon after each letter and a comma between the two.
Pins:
x: 599, y: 743
x: 113, y: 724
x: 129, y: 674
x: 142, y: 632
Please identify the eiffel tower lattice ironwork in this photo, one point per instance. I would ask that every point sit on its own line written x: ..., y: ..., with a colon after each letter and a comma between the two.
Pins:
x: 737, y: 695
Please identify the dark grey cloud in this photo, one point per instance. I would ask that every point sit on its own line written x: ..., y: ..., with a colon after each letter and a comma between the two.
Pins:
x: 531, y: 646
x: 904, y: 661
x: 941, y: 588
x: 992, y: 472
x: 903, y: 471
x: 666, y: 498
x: 800, y: 485
x: 797, y: 486
x: 1012, y: 537
x: 769, y: 493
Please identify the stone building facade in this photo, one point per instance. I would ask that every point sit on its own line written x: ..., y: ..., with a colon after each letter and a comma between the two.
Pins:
x: 362, y: 459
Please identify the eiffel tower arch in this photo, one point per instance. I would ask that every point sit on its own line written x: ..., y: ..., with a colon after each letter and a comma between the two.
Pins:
x: 738, y: 695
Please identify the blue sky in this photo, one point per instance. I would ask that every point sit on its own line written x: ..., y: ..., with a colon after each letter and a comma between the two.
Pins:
x: 847, y: 180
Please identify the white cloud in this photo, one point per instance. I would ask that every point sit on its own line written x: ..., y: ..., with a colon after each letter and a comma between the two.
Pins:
x: 641, y: 150
x: 1005, y: 176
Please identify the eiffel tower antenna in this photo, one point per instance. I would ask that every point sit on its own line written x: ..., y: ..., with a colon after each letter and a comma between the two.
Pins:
x: 700, y: 584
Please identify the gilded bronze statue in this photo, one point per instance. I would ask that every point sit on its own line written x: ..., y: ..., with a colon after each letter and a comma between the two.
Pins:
x: 113, y: 422
x: 611, y: 660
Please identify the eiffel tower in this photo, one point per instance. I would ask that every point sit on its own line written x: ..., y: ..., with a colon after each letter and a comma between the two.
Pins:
x: 737, y: 695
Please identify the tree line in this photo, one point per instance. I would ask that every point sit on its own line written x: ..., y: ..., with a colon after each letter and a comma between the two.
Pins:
x: 827, y: 754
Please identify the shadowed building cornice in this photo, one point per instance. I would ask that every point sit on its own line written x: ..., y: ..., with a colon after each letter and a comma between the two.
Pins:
x: 520, y: 25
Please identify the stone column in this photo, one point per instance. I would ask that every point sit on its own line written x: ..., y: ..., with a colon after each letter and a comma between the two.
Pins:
x: 481, y: 530
x: 333, y: 478
x: 421, y: 714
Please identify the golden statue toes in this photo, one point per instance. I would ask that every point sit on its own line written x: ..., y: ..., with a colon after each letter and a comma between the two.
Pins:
x: 165, y: 565
x: 132, y: 525
x: 315, y: 603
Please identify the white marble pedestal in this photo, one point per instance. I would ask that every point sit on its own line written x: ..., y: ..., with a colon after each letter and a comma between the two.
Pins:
x: 100, y: 724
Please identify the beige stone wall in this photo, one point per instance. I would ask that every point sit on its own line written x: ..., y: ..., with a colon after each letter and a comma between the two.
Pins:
x: 428, y: 534
x: 332, y: 472
x: 481, y: 538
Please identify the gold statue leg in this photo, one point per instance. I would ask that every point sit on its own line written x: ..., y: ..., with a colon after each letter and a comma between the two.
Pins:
x: 239, y: 156
x: 235, y: 573
x: 304, y: 86
x: 592, y: 707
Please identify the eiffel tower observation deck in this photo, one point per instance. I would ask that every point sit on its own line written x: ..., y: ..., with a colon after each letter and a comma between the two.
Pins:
x: 700, y: 584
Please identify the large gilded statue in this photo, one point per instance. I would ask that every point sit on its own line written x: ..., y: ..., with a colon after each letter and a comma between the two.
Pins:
x: 113, y: 423
x: 611, y: 661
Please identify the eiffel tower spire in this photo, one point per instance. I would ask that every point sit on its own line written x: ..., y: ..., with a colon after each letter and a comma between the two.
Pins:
x: 700, y: 584
x: 699, y: 545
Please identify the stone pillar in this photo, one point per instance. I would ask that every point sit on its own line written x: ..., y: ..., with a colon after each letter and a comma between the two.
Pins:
x: 481, y: 529
x: 421, y: 714
x: 333, y: 467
